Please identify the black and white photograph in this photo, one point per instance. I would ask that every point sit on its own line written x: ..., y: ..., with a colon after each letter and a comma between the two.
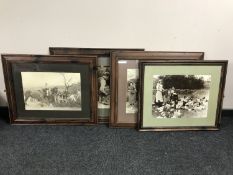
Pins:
x: 52, y: 91
x: 180, y: 96
x: 132, y: 91
x: 103, y: 75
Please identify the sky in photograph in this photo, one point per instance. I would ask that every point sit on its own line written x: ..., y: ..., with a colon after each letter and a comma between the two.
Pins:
x: 39, y: 79
x: 132, y: 74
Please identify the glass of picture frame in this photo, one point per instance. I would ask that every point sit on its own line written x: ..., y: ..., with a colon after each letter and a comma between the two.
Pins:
x: 51, y: 89
x: 181, y: 95
x: 103, y: 73
x: 125, y: 82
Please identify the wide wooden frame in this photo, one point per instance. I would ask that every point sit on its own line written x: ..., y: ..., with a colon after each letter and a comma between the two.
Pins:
x: 88, y: 61
x: 139, y: 55
x: 222, y: 63
x: 99, y: 52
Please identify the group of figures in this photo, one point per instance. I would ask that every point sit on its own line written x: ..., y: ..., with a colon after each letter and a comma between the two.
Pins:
x: 51, y: 98
x: 179, y: 103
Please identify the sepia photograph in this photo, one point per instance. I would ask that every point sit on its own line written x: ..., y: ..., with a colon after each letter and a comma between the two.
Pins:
x: 180, y: 96
x: 52, y: 91
x: 103, y: 76
x: 132, y: 91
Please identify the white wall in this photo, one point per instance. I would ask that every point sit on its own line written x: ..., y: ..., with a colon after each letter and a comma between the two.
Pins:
x: 31, y: 26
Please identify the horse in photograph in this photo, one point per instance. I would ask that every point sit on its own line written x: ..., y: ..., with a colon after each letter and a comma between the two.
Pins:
x: 32, y: 96
x: 50, y: 95
x: 64, y: 97
x: 60, y: 98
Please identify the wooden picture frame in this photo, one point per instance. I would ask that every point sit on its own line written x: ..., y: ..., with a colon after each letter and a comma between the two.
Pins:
x: 181, y: 95
x: 57, y: 90
x: 121, y: 113
x: 103, y: 73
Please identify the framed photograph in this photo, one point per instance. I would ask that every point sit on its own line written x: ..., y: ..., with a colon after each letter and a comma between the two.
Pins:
x: 181, y: 95
x: 51, y: 89
x: 103, y: 74
x: 125, y: 82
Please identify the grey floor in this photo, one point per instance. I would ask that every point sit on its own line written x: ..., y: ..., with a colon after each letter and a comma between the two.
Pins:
x: 92, y: 150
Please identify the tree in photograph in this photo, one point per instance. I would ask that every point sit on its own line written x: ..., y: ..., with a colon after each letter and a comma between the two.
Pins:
x: 182, y: 82
x: 67, y: 83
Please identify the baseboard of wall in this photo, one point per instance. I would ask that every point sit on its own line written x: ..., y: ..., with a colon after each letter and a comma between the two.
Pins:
x: 4, y: 113
x: 227, y: 113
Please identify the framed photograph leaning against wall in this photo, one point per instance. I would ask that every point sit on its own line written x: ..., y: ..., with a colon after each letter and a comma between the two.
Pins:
x: 181, y: 95
x: 51, y: 89
x: 125, y: 82
x: 103, y: 74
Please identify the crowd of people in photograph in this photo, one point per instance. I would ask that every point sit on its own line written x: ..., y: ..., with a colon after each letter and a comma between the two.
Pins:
x: 169, y: 103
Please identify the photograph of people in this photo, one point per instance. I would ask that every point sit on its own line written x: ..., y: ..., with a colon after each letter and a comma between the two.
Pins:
x: 103, y: 74
x: 173, y: 99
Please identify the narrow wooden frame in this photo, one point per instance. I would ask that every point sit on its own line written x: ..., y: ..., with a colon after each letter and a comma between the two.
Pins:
x: 139, y: 55
x: 221, y: 86
x: 99, y: 52
x: 8, y: 61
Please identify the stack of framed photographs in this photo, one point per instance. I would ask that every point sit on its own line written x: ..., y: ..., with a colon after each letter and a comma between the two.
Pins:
x: 127, y: 88
x: 125, y: 82
x: 103, y: 74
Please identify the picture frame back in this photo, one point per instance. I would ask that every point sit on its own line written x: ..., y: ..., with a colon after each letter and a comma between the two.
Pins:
x: 54, y: 90
x: 103, y: 73
x: 122, y: 114
x: 196, y: 108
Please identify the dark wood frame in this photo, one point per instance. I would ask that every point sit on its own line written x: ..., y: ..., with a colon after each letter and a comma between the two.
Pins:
x: 9, y: 59
x: 139, y: 55
x: 90, y: 51
x: 222, y: 63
